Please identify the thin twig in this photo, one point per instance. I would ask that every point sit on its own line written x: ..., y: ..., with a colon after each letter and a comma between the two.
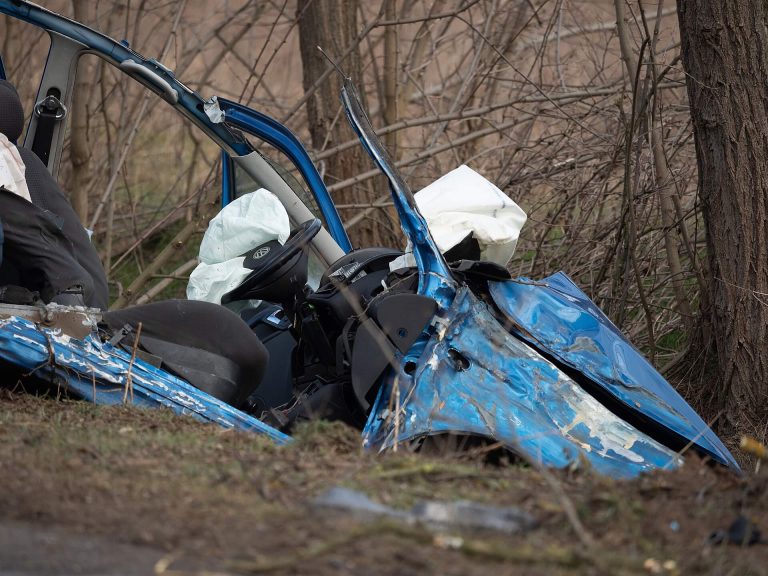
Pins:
x: 129, y: 375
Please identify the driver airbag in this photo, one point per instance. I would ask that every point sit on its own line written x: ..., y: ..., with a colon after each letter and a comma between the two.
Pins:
x: 251, y: 220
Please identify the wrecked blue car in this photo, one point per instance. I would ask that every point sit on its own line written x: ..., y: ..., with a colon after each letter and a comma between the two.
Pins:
x: 406, y: 346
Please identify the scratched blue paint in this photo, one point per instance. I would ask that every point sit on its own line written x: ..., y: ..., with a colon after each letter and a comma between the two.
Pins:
x: 98, y: 372
x: 557, y: 317
x: 510, y: 394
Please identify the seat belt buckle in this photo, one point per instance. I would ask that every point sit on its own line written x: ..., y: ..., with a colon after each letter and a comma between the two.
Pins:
x: 120, y: 334
x: 48, y: 112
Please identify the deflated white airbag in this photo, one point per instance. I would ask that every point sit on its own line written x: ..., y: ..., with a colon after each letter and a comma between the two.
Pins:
x: 463, y: 202
x: 245, y: 223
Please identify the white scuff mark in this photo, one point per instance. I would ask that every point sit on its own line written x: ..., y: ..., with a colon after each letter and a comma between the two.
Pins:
x: 103, y: 369
x: 619, y: 359
x: 614, y: 434
x: 187, y: 400
x: 84, y: 367
x: 212, y: 110
x: 30, y: 342
x: 568, y: 314
x: 585, y: 344
x: 156, y: 384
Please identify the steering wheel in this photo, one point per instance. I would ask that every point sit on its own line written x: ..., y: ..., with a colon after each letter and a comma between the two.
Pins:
x: 271, y: 257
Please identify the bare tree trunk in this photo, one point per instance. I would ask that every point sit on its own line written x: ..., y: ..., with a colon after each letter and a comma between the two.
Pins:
x: 80, y: 152
x: 725, y: 55
x: 664, y: 180
x: 390, y: 75
x: 332, y: 25
x: 9, y: 38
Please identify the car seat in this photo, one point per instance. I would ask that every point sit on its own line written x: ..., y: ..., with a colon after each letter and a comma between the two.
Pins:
x: 45, y: 245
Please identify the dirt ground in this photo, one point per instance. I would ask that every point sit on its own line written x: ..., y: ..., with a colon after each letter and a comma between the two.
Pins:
x: 89, y: 489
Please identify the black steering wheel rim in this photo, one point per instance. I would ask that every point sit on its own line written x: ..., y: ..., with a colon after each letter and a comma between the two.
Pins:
x: 298, y: 240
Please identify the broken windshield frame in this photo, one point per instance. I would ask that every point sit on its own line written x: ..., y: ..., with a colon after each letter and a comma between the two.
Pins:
x: 435, y: 278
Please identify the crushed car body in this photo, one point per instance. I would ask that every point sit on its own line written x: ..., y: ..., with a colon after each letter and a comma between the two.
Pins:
x: 61, y: 345
x: 403, y: 345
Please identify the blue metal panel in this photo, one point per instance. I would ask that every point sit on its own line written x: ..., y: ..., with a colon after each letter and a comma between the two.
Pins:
x: 227, y: 179
x: 510, y: 394
x: 558, y: 318
x: 100, y: 372
x: 270, y: 130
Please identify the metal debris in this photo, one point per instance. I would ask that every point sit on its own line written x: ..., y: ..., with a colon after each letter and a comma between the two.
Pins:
x: 435, y: 515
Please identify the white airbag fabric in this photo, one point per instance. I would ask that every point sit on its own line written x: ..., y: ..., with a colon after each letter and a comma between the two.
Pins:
x: 245, y: 223
x: 463, y: 202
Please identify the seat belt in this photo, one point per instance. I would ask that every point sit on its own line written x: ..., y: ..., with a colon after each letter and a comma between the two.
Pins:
x: 49, y: 112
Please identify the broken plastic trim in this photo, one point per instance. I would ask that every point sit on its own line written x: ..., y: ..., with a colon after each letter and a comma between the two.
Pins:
x: 212, y: 110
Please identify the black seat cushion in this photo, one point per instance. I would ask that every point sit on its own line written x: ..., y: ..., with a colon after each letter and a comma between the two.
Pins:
x: 37, y: 252
x: 180, y: 330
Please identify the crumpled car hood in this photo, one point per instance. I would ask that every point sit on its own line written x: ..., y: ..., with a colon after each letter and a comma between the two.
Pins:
x: 556, y: 317
x: 552, y: 382
x: 506, y: 391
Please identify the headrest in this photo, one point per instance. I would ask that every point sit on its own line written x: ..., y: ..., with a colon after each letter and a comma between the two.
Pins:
x: 11, y: 111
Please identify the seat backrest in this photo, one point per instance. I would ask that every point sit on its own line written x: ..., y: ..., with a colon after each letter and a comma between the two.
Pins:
x: 11, y: 124
x: 11, y: 112
x: 47, y: 195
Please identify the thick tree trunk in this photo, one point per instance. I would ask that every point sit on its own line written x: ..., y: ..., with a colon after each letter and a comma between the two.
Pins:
x: 725, y: 55
x: 332, y: 25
